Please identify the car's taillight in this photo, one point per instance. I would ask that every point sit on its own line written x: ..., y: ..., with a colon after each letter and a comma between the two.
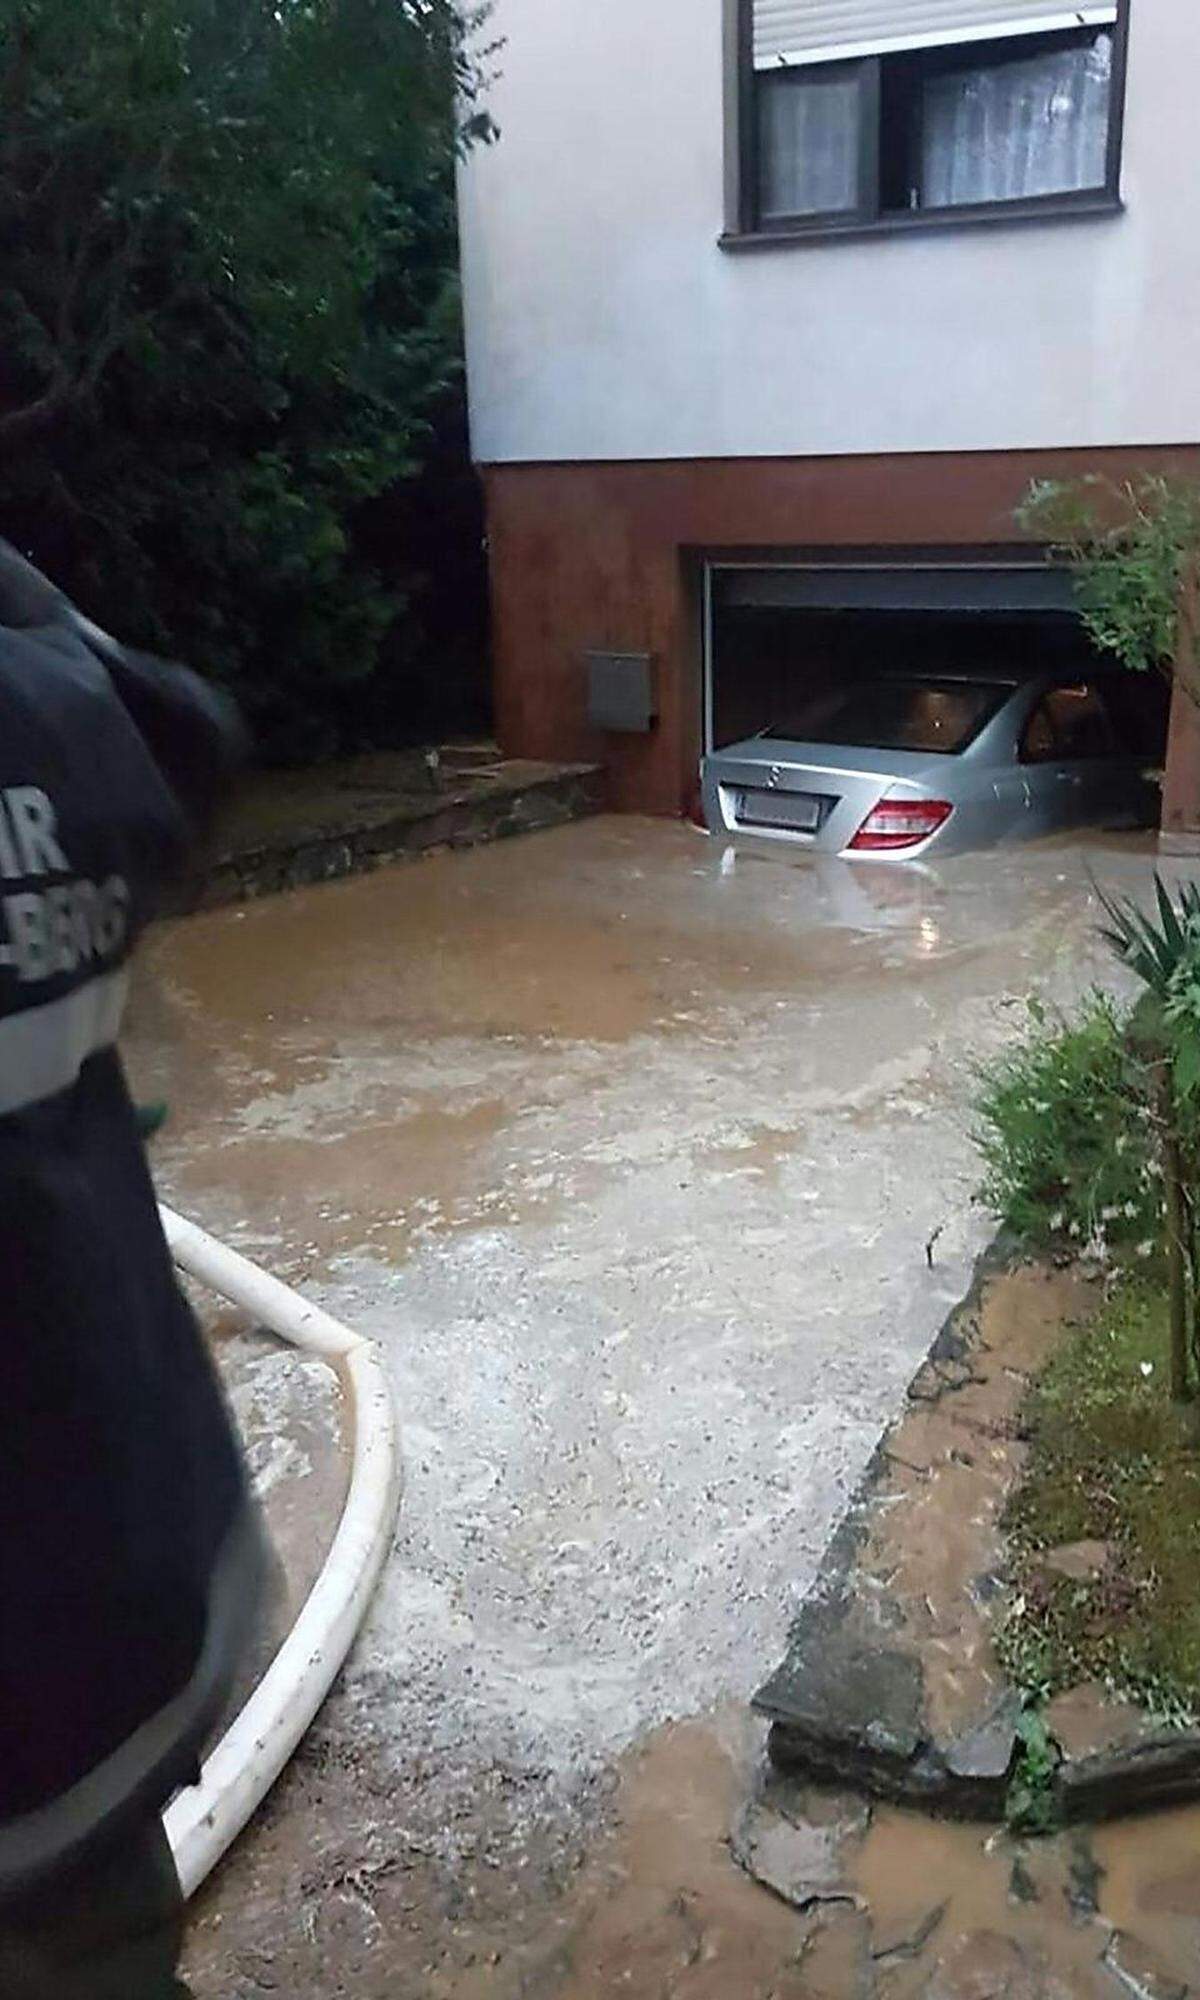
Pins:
x: 897, y: 823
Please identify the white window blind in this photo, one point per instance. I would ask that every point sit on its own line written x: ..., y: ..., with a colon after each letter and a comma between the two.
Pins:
x: 788, y: 32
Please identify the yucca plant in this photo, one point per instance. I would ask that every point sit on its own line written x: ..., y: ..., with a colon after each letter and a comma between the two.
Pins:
x: 1163, y: 951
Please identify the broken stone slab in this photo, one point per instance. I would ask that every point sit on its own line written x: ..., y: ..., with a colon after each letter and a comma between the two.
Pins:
x: 953, y: 1780
x: 796, y: 1844
x: 802, y: 1864
x: 849, y: 1708
x: 985, y: 1755
x: 1162, y: 1770
x: 845, y: 1696
x: 1087, y: 1721
x: 1116, y: 1757
x: 877, y: 1673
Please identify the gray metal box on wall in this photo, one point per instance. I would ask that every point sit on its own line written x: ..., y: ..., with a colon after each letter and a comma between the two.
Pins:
x: 622, y: 692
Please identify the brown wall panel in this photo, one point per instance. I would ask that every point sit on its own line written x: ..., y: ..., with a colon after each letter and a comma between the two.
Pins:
x: 606, y: 556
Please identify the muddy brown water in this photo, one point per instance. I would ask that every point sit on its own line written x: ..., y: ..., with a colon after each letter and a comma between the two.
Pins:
x: 627, y: 1155
x: 653, y: 1905
x: 656, y: 1909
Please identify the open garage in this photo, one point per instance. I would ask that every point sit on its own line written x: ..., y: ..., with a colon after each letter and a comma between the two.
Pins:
x: 778, y: 633
x: 891, y: 707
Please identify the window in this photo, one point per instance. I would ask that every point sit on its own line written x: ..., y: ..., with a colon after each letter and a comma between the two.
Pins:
x: 954, y: 118
x: 1033, y: 122
x: 810, y: 125
x: 1039, y: 745
x: 1069, y: 725
x: 895, y: 714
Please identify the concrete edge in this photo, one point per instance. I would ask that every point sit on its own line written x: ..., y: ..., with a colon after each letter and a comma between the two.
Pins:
x: 889, y: 1757
x: 460, y: 818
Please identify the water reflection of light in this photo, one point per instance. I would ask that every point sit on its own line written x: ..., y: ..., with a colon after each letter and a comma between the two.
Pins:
x: 929, y: 936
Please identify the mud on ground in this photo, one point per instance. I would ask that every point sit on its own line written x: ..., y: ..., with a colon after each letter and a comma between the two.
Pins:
x: 627, y: 1151
x: 645, y: 1901
x: 689, y: 1871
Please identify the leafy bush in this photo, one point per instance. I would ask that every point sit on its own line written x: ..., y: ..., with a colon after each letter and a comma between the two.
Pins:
x: 1132, y: 549
x: 1066, y: 1136
x: 228, y: 319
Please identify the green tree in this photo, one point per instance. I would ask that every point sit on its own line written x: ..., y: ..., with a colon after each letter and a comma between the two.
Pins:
x: 1134, y: 549
x: 227, y: 306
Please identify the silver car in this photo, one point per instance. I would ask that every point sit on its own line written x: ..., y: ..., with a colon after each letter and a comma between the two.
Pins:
x: 907, y: 764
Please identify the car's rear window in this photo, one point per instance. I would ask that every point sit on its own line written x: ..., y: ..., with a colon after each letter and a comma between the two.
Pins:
x: 895, y: 714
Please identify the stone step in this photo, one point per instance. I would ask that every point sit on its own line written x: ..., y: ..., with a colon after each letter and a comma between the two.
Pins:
x: 481, y: 804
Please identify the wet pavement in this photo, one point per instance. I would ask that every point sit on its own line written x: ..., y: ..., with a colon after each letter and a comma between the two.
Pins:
x: 290, y: 1410
x: 628, y: 1150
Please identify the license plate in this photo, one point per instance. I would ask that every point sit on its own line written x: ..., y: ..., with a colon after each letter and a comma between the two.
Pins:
x: 799, y: 812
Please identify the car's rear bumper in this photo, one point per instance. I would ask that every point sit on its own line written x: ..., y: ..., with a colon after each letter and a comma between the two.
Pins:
x: 814, y: 809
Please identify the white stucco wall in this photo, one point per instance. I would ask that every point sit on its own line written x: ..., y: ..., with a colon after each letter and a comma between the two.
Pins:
x: 604, y: 322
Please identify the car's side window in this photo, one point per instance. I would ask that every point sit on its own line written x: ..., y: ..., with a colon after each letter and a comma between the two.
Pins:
x: 1070, y: 724
x: 1039, y: 744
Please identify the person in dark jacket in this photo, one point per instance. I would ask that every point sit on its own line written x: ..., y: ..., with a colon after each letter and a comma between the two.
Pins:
x: 130, y: 1553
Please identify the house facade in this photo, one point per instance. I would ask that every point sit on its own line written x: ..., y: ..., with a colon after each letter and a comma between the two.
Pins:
x: 776, y: 307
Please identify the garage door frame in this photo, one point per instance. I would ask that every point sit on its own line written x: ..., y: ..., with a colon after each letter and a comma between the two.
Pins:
x: 884, y: 581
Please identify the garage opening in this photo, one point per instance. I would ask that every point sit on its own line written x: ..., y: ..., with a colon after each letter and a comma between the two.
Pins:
x: 778, y: 634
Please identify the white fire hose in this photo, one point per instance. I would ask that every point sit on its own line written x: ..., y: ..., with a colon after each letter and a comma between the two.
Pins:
x: 203, y: 1821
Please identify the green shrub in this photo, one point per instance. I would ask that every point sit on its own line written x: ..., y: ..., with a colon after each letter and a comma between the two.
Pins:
x: 228, y: 322
x: 1067, y: 1139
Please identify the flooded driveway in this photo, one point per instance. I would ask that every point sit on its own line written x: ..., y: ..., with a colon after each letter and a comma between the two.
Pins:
x: 649, y: 1168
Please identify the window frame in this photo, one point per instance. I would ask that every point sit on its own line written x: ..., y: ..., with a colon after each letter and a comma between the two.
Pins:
x: 745, y: 228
